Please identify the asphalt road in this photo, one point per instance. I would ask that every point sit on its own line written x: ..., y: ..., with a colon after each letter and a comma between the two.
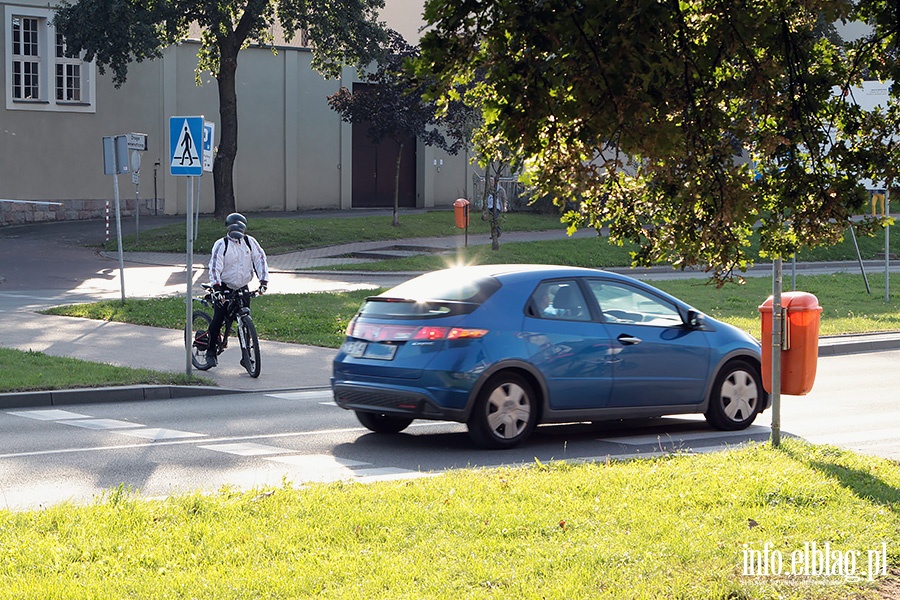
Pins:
x: 256, y: 440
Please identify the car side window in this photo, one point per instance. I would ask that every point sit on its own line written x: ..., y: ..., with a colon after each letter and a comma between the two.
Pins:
x: 622, y: 303
x: 561, y: 300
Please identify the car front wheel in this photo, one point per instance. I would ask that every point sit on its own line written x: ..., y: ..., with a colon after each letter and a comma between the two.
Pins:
x: 505, y: 412
x: 380, y: 423
x: 737, y: 397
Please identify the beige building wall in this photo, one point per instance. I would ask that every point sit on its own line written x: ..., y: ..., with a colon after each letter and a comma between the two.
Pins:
x: 294, y: 152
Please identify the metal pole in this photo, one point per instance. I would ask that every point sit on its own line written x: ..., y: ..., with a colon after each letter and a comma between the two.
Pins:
x: 467, y: 226
x: 777, y: 328
x: 188, y: 300
x: 155, y: 197
x: 137, y: 215
x: 862, y: 267
x: 887, y: 250
x: 119, y: 236
x: 197, y: 216
x: 794, y: 272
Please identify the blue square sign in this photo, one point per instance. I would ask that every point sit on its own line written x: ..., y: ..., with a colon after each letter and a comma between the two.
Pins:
x: 186, y: 146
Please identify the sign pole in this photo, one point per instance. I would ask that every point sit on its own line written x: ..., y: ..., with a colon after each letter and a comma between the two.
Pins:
x: 887, y: 249
x: 189, y: 301
x: 119, y: 236
x: 185, y: 143
x: 776, y: 341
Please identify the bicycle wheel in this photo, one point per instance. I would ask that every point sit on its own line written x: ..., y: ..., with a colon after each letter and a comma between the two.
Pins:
x: 249, y: 346
x: 199, y: 331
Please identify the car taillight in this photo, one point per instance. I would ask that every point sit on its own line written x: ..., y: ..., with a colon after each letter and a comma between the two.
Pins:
x: 448, y: 333
x: 430, y: 333
x: 458, y: 333
x: 398, y: 333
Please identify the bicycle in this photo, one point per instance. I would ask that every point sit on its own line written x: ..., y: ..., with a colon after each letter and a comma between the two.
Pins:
x: 237, y: 313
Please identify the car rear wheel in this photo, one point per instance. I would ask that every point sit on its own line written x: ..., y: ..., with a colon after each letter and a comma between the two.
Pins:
x: 737, y: 397
x: 381, y: 423
x: 505, y: 412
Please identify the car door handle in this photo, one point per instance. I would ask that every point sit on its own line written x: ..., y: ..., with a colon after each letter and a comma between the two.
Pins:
x: 628, y: 340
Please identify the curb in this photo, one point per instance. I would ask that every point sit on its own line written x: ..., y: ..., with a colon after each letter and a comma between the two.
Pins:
x: 131, y: 393
x: 857, y: 344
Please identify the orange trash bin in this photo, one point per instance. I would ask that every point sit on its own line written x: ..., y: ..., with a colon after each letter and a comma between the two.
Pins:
x: 461, y: 212
x: 800, y: 352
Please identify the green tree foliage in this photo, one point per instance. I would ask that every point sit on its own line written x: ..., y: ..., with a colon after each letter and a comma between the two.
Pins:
x: 678, y: 124
x: 118, y: 32
x: 391, y: 106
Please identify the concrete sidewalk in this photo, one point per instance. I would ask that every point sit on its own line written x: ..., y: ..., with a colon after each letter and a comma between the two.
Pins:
x: 284, y: 366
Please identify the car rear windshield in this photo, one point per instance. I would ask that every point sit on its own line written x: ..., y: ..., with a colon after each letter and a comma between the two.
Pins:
x: 431, y: 296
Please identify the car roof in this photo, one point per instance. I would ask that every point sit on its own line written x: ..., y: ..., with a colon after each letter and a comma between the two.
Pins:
x: 516, y: 273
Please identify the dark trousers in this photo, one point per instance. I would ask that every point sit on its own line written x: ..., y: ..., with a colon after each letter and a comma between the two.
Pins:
x: 221, y: 311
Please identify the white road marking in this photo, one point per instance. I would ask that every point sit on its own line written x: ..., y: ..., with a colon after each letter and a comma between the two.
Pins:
x: 246, y: 449
x: 48, y: 415
x: 317, y: 462
x: 386, y: 473
x: 160, y: 434
x: 101, y: 424
x: 675, y: 437
x: 307, y: 395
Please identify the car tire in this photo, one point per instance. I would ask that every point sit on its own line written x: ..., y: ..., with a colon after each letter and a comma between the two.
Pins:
x: 382, y: 423
x: 505, y: 412
x: 737, y: 397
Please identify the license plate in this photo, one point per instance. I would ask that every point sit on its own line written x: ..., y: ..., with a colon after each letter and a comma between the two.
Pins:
x: 380, y: 351
x: 355, y: 349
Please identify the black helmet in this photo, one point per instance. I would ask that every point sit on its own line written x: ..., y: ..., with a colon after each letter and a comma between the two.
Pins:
x: 236, y: 231
x: 236, y: 218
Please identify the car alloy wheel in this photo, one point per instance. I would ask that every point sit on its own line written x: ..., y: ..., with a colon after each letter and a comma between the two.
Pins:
x: 737, y: 397
x: 505, y: 412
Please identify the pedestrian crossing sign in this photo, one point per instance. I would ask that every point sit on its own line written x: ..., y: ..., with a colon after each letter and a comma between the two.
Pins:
x: 185, y: 144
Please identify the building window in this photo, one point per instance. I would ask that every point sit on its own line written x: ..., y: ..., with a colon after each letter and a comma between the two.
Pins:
x: 25, y: 59
x: 39, y: 75
x: 68, y: 74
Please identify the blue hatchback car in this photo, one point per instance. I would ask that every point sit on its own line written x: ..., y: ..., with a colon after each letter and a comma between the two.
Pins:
x: 504, y: 348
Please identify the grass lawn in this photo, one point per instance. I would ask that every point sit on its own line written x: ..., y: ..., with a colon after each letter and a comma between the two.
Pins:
x: 673, y: 527
x: 593, y: 252
x: 29, y: 371
x: 288, y: 234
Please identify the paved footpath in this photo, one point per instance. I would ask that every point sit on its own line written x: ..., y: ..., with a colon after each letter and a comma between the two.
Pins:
x: 54, y: 267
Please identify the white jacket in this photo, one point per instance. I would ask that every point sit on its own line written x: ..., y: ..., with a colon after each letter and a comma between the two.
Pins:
x: 235, y: 262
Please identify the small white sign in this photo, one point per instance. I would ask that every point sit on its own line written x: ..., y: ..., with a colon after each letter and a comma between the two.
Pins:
x: 137, y: 141
x: 209, y: 135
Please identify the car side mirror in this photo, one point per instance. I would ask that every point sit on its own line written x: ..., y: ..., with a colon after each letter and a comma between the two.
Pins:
x: 696, y: 319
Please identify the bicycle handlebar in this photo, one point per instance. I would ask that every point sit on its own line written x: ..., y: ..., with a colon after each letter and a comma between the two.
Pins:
x: 227, y: 294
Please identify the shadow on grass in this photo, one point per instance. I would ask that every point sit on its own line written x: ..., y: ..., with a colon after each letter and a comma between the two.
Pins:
x: 862, y: 483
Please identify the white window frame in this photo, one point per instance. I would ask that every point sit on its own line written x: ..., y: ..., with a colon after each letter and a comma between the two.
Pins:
x: 83, y: 100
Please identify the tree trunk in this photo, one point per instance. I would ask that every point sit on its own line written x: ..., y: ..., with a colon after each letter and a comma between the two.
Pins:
x: 223, y: 167
x: 396, y: 220
x: 485, y: 212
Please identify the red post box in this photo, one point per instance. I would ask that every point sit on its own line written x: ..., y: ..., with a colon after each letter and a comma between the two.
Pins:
x: 461, y: 212
x: 800, y: 349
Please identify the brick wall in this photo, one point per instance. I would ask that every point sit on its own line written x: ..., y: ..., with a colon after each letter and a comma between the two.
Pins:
x: 15, y: 213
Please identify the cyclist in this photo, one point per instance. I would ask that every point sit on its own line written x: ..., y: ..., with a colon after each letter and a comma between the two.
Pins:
x: 235, y: 258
